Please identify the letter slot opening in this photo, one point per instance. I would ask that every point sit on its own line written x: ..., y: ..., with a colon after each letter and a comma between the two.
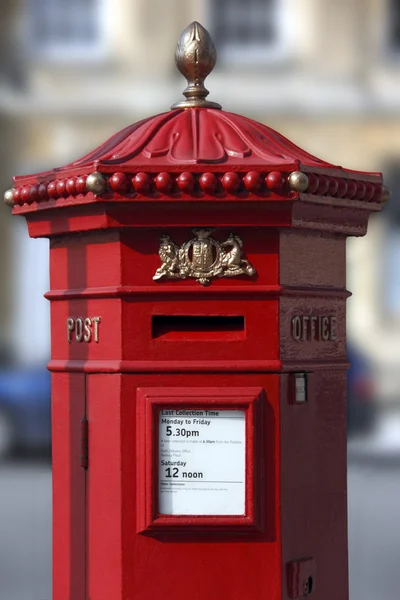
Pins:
x: 200, y: 328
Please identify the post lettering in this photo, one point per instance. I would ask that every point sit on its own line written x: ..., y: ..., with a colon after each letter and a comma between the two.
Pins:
x: 70, y: 328
x: 304, y: 321
x: 296, y: 328
x: 314, y: 328
x: 96, y: 321
x: 80, y: 329
x: 88, y: 329
x: 333, y: 328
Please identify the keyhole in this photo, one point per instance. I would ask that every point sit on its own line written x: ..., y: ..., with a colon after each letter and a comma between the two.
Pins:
x: 308, y: 586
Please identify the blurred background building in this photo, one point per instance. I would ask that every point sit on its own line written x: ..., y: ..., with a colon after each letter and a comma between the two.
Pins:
x: 325, y: 73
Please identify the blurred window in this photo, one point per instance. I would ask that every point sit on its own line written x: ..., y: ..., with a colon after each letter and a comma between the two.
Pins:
x: 31, y: 328
x: 391, y: 271
x: 250, y: 30
x: 65, y: 29
x: 394, y: 25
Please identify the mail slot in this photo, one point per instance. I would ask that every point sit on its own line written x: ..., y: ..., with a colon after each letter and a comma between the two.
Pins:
x: 184, y: 327
x: 198, y: 292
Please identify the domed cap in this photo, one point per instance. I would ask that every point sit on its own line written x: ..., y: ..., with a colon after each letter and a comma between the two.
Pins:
x: 195, y: 151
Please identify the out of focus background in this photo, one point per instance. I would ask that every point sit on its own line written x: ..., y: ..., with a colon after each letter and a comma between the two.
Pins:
x: 325, y: 73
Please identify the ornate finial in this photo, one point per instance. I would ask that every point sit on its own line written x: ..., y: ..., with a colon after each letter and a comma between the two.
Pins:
x: 195, y: 57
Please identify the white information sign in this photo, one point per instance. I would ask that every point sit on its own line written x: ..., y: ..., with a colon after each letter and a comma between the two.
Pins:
x: 202, y: 462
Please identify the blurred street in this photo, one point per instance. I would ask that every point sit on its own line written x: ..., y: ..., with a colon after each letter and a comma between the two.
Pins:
x: 25, y: 531
x: 374, y: 532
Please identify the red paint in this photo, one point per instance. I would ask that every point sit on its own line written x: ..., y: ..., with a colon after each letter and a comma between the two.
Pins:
x: 323, y: 185
x: 208, y: 183
x: 25, y: 194
x: 253, y: 182
x: 377, y: 192
x: 80, y: 185
x: 360, y: 190
x: 17, y: 195
x: 333, y: 186
x: 119, y: 183
x: 342, y: 188
x: 369, y: 191
x: 34, y: 193
x: 61, y: 188
x: 313, y: 183
x: 351, y: 188
x: 52, y: 189
x: 70, y: 185
x: 176, y: 343
x: 275, y: 181
x: 186, y: 182
x: 231, y: 182
x: 142, y: 183
x: 163, y: 183
x: 69, y: 483
x: 43, y: 195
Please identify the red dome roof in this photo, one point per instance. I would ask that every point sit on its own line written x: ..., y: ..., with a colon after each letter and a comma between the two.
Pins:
x: 197, y: 136
x: 229, y: 156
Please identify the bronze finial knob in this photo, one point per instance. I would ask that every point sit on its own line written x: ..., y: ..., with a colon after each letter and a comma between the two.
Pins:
x: 195, y: 57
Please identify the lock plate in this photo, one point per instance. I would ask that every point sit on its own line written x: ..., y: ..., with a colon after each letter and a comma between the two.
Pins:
x: 301, y: 577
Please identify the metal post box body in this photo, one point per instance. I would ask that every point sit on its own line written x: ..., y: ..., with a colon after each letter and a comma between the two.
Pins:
x: 197, y: 263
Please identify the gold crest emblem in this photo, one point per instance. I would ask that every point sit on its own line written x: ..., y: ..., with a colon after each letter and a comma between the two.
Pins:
x: 202, y: 258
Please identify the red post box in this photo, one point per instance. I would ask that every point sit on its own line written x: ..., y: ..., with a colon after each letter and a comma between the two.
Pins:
x: 198, y: 356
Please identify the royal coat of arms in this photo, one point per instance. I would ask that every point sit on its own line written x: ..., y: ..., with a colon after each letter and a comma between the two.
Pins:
x: 202, y: 258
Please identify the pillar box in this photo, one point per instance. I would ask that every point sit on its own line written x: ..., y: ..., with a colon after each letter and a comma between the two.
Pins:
x: 198, y: 291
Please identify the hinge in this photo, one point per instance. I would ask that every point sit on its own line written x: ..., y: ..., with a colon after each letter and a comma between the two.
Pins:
x: 84, y: 443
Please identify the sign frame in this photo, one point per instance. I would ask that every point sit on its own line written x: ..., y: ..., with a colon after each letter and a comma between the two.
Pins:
x: 149, y: 403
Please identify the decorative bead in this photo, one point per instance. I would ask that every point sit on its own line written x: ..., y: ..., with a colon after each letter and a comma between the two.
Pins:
x: 231, y: 182
x: 119, y: 182
x: 360, y: 190
x: 96, y: 183
x: 80, y: 185
x: 333, y: 186
x: 369, y: 192
x: 275, y: 181
x: 52, y: 189
x: 378, y: 189
x: 9, y: 197
x: 142, y: 183
x: 298, y: 181
x: 25, y: 194
x: 351, y: 188
x: 253, y: 182
x: 208, y: 183
x: 70, y: 186
x: 34, y: 193
x: 323, y: 185
x: 163, y: 182
x: 342, y: 188
x: 313, y: 183
x: 386, y: 193
x: 43, y: 195
x: 185, y: 182
x: 17, y: 195
x: 61, y: 188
